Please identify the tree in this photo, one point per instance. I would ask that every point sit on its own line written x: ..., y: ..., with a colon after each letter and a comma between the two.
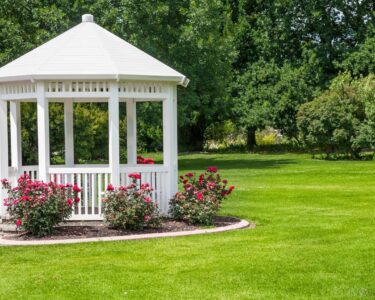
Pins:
x: 341, y: 119
x: 290, y: 50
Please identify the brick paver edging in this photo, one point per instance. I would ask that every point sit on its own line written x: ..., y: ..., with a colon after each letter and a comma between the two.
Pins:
x: 239, y: 225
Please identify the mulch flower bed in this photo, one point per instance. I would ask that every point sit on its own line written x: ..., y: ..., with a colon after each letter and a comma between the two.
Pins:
x: 90, y: 229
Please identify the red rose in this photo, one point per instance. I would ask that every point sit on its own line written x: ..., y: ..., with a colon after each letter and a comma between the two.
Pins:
x: 76, y: 189
x: 110, y: 188
x: 18, y: 222
x: 189, y: 175
x: 200, y: 196
x: 69, y: 201
x: 147, y: 218
x: 147, y: 199
x: 76, y: 199
x: 225, y: 181
x: 134, y: 175
x: 231, y: 188
x: 212, y: 169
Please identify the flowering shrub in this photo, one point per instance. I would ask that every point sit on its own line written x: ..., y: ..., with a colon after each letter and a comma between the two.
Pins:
x: 145, y: 161
x: 201, y: 199
x: 37, y: 206
x: 131, y: 207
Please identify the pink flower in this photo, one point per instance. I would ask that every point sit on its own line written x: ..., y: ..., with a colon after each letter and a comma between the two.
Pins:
x: 19, y: 222
x: 212, y: 169
x: 4, y: 181
x: 147, y: 218
x: 76, y: 189
x: 110, y: 188
x: 200, y: 196
x: 77, y: 199
x: 210, y: 185
x: 147, y: 199
x: 69, y: 201
x: 134, y: 175
x: 69, y: 185
x: 189, y: 175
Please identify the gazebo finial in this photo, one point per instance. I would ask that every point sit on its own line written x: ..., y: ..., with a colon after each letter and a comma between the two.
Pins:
x: 87, y: 18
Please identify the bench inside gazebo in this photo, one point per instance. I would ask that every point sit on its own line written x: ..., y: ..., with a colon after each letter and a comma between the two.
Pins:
x: 89, y: 64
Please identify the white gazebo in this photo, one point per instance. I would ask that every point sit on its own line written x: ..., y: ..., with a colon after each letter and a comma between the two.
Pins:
x: 89, y: 64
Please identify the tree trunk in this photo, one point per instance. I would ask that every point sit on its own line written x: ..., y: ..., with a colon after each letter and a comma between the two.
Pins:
x: 251, y: 140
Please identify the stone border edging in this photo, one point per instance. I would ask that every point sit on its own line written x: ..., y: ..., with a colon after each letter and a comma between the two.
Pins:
x: 239, y: 225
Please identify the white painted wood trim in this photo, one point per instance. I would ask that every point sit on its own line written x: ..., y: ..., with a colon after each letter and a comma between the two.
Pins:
x: 69, y: 132
x: 174, y: 151
x: 43, y: 132
x: 4, y: 168
x: 114, y: 135
x: 170, y: 145
x: 131, y: 121
x: 15, y: 134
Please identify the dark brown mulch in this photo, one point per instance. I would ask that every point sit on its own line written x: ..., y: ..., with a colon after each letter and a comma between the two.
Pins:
x: 73, y: 230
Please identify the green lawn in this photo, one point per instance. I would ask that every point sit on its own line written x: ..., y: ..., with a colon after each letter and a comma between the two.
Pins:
x: 315, y: 239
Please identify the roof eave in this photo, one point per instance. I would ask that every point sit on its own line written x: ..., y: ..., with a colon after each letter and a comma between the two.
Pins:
x: 181, y: 80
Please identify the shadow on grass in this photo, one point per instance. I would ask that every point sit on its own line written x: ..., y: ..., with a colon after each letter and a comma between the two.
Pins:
x: 250, y: 163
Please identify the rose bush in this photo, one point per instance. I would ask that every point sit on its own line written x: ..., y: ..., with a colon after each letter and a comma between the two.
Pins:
x: 201, y: 198
x: 145, y: 161
x: 131, y: 207
x: 37, y: 207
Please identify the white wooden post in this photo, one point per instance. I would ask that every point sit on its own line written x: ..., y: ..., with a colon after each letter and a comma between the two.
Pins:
x: 170, y: 145
x: 43, y: 132
x: 131, y: 123
x: 15, y: 135
x: 4, y: 168
x: 69, y: 133
x: 114, y: 136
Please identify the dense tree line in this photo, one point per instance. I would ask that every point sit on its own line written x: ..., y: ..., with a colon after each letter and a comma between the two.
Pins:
x: 251, y: 63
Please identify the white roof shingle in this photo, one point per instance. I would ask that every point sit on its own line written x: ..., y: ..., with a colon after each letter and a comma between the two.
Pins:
x: 88, y: 51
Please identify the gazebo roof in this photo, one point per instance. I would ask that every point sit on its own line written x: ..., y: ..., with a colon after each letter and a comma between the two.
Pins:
x: 88, y: 51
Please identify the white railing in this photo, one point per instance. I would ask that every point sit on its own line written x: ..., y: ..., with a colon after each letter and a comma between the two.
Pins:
x: 155, y: 175
x: 93, y: 180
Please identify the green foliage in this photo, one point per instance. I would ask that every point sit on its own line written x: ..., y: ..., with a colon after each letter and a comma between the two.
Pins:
x: 269, y: 95
x: 268, y: 136
x: 362, y: 60
x: 91, y: 131
x: 251, y: 63
x: 335, y: 121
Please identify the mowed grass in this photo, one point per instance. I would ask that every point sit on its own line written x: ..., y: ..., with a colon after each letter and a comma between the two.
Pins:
x: 315, y: 239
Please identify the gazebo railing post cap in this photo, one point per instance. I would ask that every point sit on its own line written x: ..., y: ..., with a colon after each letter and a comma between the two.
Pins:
x: 87, y: 18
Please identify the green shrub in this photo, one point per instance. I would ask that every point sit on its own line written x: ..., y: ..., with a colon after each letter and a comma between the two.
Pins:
x: 268, y: 136
x: 335, y: 121
x: 200, y: 201
x: 37, y: 207
x: 131, y: 207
